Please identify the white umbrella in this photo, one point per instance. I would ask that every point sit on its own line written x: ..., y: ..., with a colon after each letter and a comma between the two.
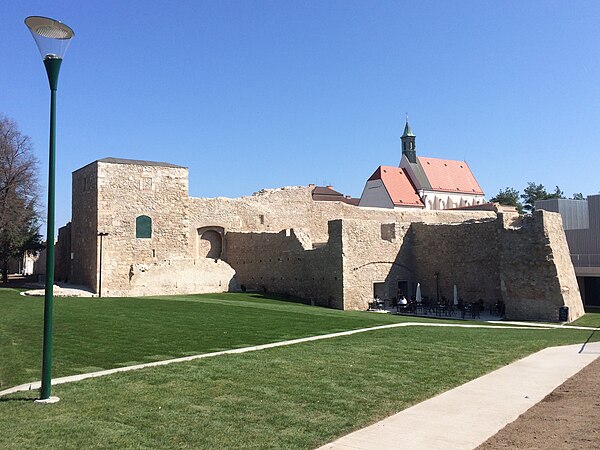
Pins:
x: 455, y: 296
x: 418, y: 295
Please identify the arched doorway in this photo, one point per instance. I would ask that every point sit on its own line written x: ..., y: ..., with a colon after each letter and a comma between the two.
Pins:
x: 209, y: 243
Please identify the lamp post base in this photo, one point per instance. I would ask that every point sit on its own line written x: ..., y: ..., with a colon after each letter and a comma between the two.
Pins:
x: 46, y: 400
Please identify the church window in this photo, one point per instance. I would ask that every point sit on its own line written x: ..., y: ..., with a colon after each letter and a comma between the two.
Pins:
x: 143, y: 227
x: 262, y: 219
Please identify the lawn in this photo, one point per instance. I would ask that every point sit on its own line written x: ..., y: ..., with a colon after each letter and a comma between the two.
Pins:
x: 288, y: 397
x: 590, y: 319
x: 95, y: 334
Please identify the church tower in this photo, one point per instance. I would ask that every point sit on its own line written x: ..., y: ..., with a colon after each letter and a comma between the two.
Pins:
x: 408, y: 143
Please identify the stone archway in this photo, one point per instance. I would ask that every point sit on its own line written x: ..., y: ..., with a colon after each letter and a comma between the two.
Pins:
x: 209, y: 242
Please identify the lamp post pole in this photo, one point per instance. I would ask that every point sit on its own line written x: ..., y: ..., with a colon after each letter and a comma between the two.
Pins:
x: 52, y: 68
x: 100, y: 274
x: 52, y: 39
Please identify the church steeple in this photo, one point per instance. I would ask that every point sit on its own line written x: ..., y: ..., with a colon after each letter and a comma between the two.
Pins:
x: 409, y: 147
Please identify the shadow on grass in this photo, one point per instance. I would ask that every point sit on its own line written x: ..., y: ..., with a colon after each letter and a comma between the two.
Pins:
x: 27, y: 396
x: 587, y: 340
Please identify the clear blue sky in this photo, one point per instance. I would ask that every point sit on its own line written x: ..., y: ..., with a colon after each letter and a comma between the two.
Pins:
x: 258, y: 94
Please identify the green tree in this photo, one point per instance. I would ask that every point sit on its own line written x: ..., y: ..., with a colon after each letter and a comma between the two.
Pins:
x: 534, y: 192
x: 578, y: 196
x: 508, y: 196
x: 19, y: 218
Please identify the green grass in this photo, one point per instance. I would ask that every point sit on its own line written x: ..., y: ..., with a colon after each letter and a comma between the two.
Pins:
x: 299, y: 396
x: 95, y: 334
x: 590, y: 319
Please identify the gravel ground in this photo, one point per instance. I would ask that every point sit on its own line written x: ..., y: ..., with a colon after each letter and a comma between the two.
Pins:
x: 568, y: 418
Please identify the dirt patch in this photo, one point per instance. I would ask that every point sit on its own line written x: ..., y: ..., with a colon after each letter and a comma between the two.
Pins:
x: 568, y: 418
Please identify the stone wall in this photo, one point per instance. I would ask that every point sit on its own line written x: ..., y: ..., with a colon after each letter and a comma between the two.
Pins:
x: 375, y: 252
x: 280, y: 240
x: 523, y: 262
x: 62, y: 254
x: 180, y: 276
x: 84, y: 226
x: 537, y: 276
x: 465, y: 255
x: 273, y: 210
x: 127, y: 191
x: 288, y: 263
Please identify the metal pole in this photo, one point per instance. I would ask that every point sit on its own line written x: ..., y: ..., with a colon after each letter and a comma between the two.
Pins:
x: 52, y: 69
x: 49, y: 292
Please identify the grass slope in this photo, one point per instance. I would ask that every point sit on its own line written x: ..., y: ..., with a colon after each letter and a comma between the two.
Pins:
x: 96, y: 334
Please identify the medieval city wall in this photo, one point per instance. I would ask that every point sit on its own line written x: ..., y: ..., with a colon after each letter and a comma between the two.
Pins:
x: 177, y: 276
x: 521, y: 261
x: 274, y: 210
x: 124, y: 192
x: 375, y: 252
x: 287, y: 263
x: 537, y: 276
x: 280, y: 240
x: 465, y: 255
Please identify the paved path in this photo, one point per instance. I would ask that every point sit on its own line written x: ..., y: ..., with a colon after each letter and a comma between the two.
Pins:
x: 55, y: 381
x: 468, y: 415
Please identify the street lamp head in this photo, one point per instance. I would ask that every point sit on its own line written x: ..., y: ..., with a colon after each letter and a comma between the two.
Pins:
x: 51, y: 36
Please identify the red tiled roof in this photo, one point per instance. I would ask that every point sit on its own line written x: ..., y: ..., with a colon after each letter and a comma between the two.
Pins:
x: 398, y: 185
x: 449, y: 176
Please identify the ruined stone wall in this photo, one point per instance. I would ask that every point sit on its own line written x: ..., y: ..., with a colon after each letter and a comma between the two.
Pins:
x: 465, y: 255
x: 84, y: 226
x: 523, y: 262
x: 178, y: 276
x: 375, y: 252
x: 329, y: 252
x: 287, y: 263
x: 537, y: 276
x: 292, y: 207
x: 124, y: 192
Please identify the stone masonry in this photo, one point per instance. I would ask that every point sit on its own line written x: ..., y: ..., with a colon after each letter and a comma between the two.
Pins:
x: 280, y: 240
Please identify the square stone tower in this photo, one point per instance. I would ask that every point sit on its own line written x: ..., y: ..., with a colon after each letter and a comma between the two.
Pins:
x: 142, y: 205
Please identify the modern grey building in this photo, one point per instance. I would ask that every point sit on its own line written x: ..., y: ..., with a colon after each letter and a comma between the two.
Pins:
x: 581, y: 221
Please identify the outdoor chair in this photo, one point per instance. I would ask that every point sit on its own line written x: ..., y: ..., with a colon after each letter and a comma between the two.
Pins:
x: 408, y: 308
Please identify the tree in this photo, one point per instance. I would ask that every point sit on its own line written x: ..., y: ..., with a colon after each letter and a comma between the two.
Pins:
x: 534, y: 192
x: 510, y: 197
x: 19, y: 217
x: 578, y: 196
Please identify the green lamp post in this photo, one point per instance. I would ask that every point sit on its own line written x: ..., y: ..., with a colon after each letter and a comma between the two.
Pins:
x: 53, y: 39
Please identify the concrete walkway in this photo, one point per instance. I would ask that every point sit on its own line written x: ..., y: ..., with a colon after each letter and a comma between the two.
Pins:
x: 468, y: 415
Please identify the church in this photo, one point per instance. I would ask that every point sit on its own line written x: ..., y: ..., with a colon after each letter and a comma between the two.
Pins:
x: 421, y: 182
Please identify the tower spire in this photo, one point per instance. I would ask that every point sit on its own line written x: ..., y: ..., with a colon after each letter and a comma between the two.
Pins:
x: 409, y: 147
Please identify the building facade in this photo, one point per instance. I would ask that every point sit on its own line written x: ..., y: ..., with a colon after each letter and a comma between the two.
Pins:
x: 581, y: 221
